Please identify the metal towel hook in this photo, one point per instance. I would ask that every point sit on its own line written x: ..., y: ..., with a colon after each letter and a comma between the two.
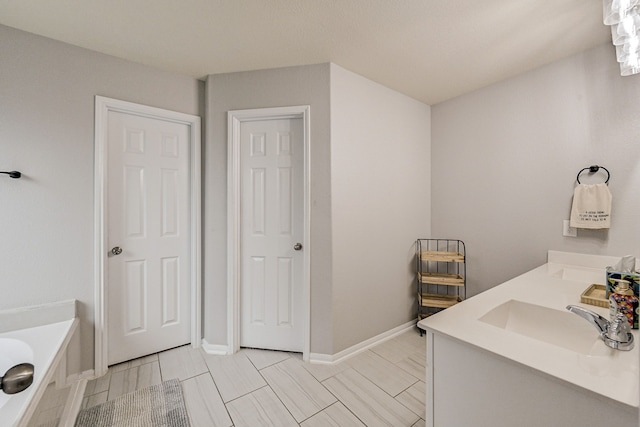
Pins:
x: 594, y: 169
x: 13, y: 174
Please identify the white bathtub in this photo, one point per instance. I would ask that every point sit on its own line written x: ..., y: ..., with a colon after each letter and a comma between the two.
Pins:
x: 12, y: 352
x: 43, y: 346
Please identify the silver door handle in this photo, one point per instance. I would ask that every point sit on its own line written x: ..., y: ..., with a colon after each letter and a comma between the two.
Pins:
x: 117, y: 250
x: 297, y: 246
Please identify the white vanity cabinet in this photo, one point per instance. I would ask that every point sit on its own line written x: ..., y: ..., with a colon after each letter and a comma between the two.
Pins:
x: 481, y: 372
x: 468, y: 386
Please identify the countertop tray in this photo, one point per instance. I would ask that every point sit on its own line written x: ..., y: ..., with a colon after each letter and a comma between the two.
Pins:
x: 595, y: 294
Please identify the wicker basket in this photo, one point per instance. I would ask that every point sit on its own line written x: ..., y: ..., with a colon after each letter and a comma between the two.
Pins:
x: 595, y: 294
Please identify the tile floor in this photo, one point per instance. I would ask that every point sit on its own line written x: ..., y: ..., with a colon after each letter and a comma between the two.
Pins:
x: 50, y: 407
x: 382, y: 386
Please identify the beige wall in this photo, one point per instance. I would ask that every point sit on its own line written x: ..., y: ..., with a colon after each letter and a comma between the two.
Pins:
x: 47, y: 91
x: 505, y: 160
x: 380, y: 204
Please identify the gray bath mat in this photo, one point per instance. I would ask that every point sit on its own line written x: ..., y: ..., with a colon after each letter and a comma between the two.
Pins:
x: 160, y: 405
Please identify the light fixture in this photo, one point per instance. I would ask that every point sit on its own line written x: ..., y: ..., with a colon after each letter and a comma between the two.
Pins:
x: 614, y: 11
x: 624, y: 18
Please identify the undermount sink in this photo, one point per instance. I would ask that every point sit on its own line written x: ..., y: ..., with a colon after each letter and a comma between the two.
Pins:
x: 555, y: 327
x: 578, y: 274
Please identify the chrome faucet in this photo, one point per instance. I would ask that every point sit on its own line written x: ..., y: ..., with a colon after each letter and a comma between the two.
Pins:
x: 616, y: 334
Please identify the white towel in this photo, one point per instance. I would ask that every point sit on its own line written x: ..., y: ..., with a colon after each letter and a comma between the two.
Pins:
x: 591, y: 206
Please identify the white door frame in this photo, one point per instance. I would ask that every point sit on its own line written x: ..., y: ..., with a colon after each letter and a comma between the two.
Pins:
x: 234, y: 120
x: 102, y: 108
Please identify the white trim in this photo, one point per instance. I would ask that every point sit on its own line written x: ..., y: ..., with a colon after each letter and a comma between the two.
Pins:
x: 429, y: 415
x: 73, y: 403
x: 234, y: 119
x: 215, y: 349
x: 102, y: 108
x: 332, y: 359
x: 77, y: 383
x: 61, y: 374
x: 88, y: 375
x: 48, y: 376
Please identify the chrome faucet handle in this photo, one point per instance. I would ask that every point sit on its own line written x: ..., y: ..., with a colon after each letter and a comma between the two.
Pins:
x: 616, y: 334
x: 600, y: 323
x: 619, y: 329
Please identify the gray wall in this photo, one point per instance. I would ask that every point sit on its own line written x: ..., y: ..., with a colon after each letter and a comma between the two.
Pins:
x: 505, y: 160
x: 47, y: 91
x: 306, y: 85
x: 380, y: 204
x: 369, y: 197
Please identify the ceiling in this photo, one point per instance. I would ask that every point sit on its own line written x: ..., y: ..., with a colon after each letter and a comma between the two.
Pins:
x: 431, y: 50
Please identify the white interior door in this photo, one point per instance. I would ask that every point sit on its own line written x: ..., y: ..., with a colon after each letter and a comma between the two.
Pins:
x: 148, y: 287
x: 272, y: 219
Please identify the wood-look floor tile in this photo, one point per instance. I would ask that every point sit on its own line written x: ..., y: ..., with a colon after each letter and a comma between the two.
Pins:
x: 382, y: 373
x: 204, y: 404
x: 263, y: 358
x: 148, y: 375
x: 234, y: 375
x: 336, y: 415
x: 300, y: 392
x: 260, y: 408
x: 95, y: 399
x: 415, y: 364
x: 120, y: 367
x: 143, y: 360
x: 368, y: 402
x: 50, y: 406
x: 123, y: 366
x: 47, y: 417
x: 414, y: 398
x: 321, y: 371
x: 123, y: 382
x: 292, y: 390
x: 397, y: 348
x: 53, y: 396
x: 98, y: 385
x: 182, y: 363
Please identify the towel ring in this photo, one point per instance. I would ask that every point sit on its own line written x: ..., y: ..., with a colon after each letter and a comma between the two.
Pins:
x: 594, y: 169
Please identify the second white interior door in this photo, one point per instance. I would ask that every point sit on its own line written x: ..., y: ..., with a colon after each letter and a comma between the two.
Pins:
x: 148, y: 229
x: 272, y: 215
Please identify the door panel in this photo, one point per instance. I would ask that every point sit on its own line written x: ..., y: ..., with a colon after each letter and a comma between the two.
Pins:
x: 170, y: 290
x: 135, y: 295
x: 271, y: 224
x: 148, y: 287
x: 285, y: 291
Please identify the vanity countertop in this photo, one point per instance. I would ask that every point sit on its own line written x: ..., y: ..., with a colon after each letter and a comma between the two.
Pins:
x: 552, y: 286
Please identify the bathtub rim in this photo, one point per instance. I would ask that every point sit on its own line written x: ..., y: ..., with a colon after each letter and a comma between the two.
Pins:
x: 38, y: 317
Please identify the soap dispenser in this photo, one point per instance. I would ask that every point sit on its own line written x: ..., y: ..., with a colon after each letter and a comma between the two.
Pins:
x: 622, y: 300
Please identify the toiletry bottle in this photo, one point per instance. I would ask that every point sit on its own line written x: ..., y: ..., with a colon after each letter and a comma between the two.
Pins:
x: 622, y: 300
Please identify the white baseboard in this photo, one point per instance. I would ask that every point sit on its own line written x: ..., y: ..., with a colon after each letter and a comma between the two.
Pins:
x: 332, y: 359
x: 215, y: 349
x: 74, y: 402
x: 77, y: 383
x: 84, y: 375
x: 327, y: 359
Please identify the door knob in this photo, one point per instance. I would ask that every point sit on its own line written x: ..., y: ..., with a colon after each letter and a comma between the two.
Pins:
x: 117, y: 250
x: 297, y: 246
